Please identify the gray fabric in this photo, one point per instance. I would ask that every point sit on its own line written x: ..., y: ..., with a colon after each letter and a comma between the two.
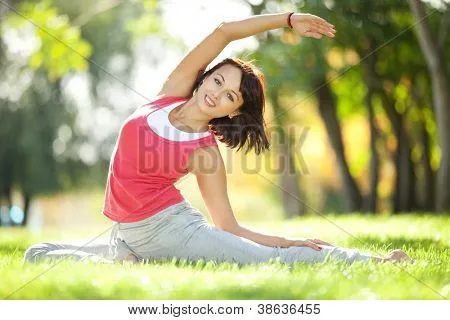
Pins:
x: 181, y: 231
x: 78, y: 251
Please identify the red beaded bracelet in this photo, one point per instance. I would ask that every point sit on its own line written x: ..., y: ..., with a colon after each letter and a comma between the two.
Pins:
x: 289, y: 20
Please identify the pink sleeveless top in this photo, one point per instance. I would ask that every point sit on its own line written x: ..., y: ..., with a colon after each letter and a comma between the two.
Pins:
x: 145, y: 165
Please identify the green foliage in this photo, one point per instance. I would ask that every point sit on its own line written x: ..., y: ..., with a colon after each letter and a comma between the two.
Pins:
x: 351, y: 92
x: 149, y: 21
x: 375, y: 46
x: 61, y: 48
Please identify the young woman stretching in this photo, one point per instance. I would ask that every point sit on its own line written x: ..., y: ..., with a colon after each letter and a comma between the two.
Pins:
x: 175, y: 134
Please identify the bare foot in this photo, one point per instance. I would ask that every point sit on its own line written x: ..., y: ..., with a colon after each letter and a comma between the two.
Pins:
x: 396, y: 256
x: 131, y: 258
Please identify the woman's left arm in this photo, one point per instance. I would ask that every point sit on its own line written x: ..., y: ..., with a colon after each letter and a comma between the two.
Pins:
x: 208, y: 166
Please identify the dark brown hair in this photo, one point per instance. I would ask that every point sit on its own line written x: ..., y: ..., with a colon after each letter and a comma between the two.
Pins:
x: 249, y: 126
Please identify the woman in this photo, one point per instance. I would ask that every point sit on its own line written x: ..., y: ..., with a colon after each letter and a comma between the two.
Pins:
x: 175, y: 134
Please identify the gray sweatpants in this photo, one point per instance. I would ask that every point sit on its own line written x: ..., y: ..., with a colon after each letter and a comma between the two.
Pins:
x: 180, y: 231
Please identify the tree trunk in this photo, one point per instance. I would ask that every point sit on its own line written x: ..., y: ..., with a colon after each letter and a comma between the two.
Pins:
x: 7, y: 194
x: 370, y: 80
x: 427, y: 191
x: 429, y: 183
x: 26, y: 208
x: 435, y: 58
x: 374, y: 160
x: 289, y: 182
x: 404, y: 167
x: 403, y: 162
x: 9, y: 200
x: 289, y: 177
x: 327, y: 110
x: 405, y: 182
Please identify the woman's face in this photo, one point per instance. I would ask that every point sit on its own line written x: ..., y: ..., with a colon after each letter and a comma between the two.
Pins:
x: 219, y: 95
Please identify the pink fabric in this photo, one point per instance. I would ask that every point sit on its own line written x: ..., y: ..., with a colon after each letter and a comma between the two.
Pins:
x: 144, y: 167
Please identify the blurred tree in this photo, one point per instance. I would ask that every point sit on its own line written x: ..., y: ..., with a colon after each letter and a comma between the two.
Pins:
x: 433, y: 49
x: 33, y: 109
x: 293, y: 62
x: 372, y: 44
x: 379, y: 32
x: 41, y: 113
x: 392, y: 70
x: 375, y: 48
x: 271, y: 61
x: 5, y: 161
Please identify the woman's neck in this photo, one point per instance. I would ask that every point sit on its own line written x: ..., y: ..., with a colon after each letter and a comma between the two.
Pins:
x: 187, y: 117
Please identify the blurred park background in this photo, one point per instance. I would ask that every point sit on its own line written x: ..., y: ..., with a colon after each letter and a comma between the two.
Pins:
x: 360, y: 123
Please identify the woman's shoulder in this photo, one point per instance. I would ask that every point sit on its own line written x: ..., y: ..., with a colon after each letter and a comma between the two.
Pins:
x: 207, y: 156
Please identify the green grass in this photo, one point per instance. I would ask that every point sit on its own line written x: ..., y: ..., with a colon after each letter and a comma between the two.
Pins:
x: 425, y: 238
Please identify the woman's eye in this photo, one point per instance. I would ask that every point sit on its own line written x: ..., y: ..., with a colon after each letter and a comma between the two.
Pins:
x: 217, y: 81
x: 230, y: 97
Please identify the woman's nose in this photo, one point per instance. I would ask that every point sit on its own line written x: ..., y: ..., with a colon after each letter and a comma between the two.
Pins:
x: 215, y: 95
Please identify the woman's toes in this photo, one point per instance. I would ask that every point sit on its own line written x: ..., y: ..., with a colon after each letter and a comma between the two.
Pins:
x: 397, y: 255
x: 131, y: 258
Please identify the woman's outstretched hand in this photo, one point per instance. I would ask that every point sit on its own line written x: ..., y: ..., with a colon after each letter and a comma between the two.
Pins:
x: 312, y: 243
x: 309, y: 25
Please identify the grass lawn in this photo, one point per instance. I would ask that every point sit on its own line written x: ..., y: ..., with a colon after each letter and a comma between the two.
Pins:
x: 425, y: 238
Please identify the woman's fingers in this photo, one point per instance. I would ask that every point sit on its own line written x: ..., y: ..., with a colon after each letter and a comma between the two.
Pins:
x: 316, y: 19
x: 318, y: 241
x: 313, y: 34
x: 307, y: 243
x: 321, y: 22
x: 313, y: 245
x: 324, y: 29
x: 313, y: 26
x: 326, y: 32
x: 316, y: 32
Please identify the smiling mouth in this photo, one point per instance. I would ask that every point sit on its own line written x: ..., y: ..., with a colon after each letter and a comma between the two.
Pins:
x: 209, y: 101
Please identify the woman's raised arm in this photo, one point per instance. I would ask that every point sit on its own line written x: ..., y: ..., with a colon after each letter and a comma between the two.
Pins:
x: 181, y: 81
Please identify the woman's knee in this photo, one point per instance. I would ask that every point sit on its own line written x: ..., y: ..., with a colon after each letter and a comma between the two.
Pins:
x: 302, y: 254
x: 349, y: 255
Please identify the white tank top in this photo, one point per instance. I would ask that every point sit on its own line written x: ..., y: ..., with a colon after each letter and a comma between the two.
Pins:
x: 159, y: 122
